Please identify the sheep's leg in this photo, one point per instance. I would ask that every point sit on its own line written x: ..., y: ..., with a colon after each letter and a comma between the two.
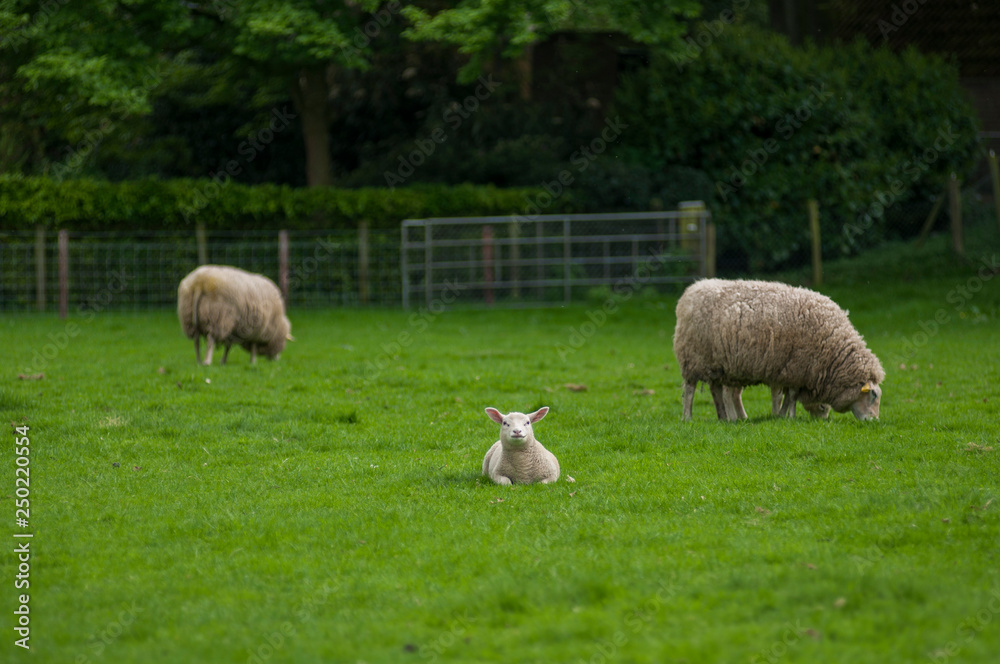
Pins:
x: 738, y: 403
x: 777, y: 408
x: 791, y: 398
x: 197, y: 348
x: 209, y: 347
x: 732, y: 414
x: 688, y: 399
x: 225, y: 353
x: 717, y: 397
x: 253, y: 353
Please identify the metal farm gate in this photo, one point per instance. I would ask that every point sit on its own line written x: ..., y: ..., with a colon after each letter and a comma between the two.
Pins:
x: 547, y: 258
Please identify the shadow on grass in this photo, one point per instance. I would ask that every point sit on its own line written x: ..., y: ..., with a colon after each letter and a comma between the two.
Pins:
x: 466, y: 478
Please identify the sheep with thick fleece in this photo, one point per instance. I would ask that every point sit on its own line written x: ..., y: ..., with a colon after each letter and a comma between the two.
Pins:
x: 229, y: 305
x: 518, y: 458
x: 731, y: 334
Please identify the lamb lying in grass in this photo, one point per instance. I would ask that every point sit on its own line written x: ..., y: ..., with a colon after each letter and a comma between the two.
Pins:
x: 229, y: 305
x: 517, y: 458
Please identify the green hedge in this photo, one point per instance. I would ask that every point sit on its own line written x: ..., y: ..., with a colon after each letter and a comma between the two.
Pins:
x: 177, y: 204
x: 865, y: 131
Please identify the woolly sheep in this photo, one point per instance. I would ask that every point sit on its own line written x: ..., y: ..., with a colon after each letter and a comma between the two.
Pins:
x: 229, y: 305
x: 731, y: 334
x: 518, y: 458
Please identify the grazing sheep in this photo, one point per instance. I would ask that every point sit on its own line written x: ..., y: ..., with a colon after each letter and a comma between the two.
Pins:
x: 732, y: 334
x: 517, y: 458
x: 228, y: 306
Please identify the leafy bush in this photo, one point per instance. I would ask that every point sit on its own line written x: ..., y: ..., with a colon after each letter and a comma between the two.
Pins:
x: 165, y: 204
x: 865, y: 131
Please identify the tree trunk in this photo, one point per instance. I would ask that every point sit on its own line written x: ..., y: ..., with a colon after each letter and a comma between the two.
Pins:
x: 309, y: 94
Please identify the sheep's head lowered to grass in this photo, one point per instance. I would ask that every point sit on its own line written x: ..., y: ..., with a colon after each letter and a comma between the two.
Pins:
x: 518, y: 457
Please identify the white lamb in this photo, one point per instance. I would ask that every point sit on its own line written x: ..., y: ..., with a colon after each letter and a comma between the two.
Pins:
x: 229, y: 305
x: 518, y: 458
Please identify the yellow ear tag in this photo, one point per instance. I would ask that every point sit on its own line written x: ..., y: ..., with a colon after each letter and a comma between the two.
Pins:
x: 866, y: 388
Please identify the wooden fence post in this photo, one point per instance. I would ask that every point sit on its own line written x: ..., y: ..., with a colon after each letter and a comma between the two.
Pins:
x: 364, y: 275
x: 63, y: 273
x: 40, y: 267
x: 929, y: 223
x: 995, y: 172
x: 515, y: 257
x: 202, y: 240
x: 955, y: 210
x: 283, y: 264
x: 817, y: 247
x: 710, y: 250
x: 488, y: 265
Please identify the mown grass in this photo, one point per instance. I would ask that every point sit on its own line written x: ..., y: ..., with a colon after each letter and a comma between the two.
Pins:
x: 324, y: 509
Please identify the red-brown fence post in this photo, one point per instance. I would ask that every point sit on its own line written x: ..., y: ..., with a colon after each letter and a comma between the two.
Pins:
x: 488, y: 266
x: 40, y: 267
x: 364, y: 278
x: 63, y: 273
x: 955, y: 210
x: 283, y: 263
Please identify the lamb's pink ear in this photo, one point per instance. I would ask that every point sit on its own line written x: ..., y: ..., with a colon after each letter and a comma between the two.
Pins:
x: 538, y: 414
x: 495, y: 415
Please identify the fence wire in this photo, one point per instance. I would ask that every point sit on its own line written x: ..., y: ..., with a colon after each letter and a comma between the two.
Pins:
x: 142, y: 271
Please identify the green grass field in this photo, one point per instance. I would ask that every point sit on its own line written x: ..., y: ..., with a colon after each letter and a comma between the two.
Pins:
x: 328, y: 507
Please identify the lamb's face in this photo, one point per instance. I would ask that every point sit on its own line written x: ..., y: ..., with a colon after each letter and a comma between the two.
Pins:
x: 515, y: 428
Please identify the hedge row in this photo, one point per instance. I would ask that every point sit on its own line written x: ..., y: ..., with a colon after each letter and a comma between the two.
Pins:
x: 178, y: 204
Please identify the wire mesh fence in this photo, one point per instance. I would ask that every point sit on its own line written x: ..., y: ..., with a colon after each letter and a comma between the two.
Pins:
x: 142, y: 270
x: 550, y: 258
x: 500, y: 260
